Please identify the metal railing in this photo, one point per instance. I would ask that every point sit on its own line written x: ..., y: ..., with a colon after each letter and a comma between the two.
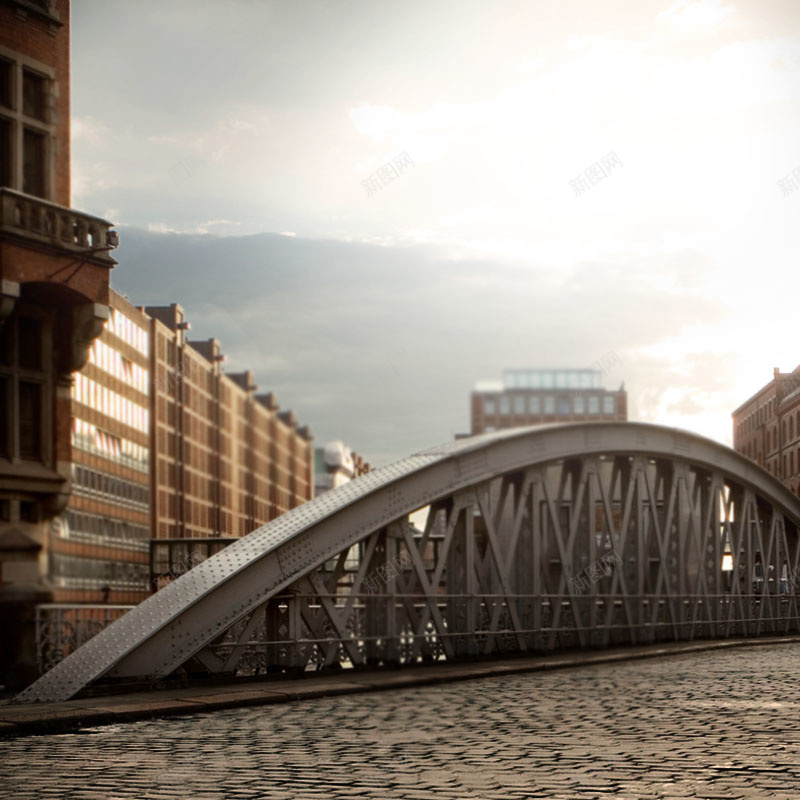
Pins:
x: 61, y: 628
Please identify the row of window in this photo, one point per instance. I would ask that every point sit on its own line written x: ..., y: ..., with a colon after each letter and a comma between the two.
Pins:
x: 535, y: 404
x: 552, y: 379
x: 127, y: 330
x: 96, y: 529
x: 86, y: 436
x: 114, y: 574
x: 110, y: 403
x: 758, y: 417
x: 94, y: 484
x: 789, y: 425
x: 114, y: 363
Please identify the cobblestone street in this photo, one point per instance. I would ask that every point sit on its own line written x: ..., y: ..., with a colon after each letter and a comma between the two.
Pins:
x: 708, y: 725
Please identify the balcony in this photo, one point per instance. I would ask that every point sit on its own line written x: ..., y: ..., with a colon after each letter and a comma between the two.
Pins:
x: 31, y: 220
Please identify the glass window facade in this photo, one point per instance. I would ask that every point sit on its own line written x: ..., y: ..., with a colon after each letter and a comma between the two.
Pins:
x: 95, y: 529
x: 128, y: 331
x: 108, y: 402
x: 579, y: 404
x: 549, y: 404
x: 76, y: 572
x: 114, y: 363
x: 519, y: 404
x: 608, y: 404
x: 86, y: 436
x: 594, y: 404
x: 535, y: 404
x: 505, y: 405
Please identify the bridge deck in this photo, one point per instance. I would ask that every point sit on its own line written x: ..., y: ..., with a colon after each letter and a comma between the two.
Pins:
x: 111, y: 709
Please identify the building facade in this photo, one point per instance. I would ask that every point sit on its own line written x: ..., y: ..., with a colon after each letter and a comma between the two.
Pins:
x: 542, y: 396
x: 100, y: 549
x: 766, y: 428
x: 54, y: 293
x: 225, y: 459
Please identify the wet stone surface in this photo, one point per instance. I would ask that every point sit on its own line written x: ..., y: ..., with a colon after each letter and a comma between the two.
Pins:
x: 720, y: 724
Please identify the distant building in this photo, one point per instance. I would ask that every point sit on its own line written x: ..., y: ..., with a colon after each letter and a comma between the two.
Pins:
x: 540, y: 396
x: 225, y: 459
x: 766, y: 428
x: 334, y: 465
x: 100, y: 550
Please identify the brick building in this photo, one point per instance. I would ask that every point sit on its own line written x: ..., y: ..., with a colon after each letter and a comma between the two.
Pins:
x: 766, y: 428
x: 225, y: 459
x: 54, y: 285
x: 540, y: 396
x: 172, y: 461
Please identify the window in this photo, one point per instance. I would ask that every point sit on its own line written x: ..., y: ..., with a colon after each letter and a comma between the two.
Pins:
x: 594, y: 404
x: 608, y: 404
x: 5, y: 152
x: 26, y: 162
x: 519, y: 404
x: 549, y: 404
x: 6, y: 71
x: 534, y: 404
x: 505, y: 405
x: 33, y: 164
x: 30, y: 420
x: 33, y: 95
x: 563, y: 406
x: 489, y: 406
x: 579, y: 404
x: 24, y: 386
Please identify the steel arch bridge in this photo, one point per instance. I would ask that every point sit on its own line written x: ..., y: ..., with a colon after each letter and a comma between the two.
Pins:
x: 563, y: 536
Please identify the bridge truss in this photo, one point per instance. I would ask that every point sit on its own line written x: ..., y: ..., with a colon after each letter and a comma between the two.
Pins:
x: 533, y: 540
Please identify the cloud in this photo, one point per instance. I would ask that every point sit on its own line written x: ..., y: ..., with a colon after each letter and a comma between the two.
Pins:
x: 88, y: 130
x: 688, y: 15
x: 317, y: 321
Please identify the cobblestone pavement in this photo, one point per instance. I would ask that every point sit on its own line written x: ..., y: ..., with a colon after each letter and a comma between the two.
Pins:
x: 709, y: 725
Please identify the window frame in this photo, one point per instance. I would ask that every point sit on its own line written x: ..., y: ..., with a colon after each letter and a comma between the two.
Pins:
x: 21, y: 122
x: 14, y: 375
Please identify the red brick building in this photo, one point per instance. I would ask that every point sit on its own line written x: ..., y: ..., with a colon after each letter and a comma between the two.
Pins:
x: 224, y: 458
x: 766, y: 428
x: 54, y: 291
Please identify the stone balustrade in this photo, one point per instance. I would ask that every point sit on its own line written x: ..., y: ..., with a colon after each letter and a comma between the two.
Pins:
x: 32, y: 219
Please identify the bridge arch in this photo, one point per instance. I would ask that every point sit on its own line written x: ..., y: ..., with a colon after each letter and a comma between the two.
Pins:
x: 536, y: 539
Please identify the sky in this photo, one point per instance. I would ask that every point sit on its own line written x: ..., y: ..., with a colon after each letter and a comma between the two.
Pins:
x: 238, y: 147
